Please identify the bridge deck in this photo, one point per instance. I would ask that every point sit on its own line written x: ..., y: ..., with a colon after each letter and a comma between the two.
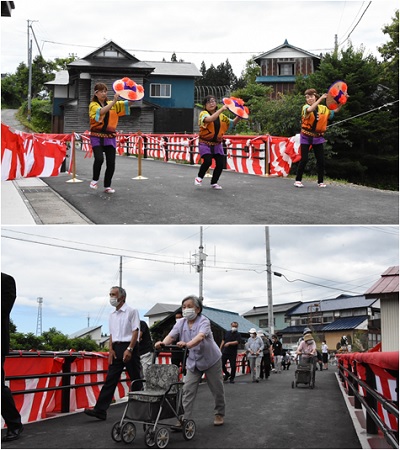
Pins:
x: 269, y: 414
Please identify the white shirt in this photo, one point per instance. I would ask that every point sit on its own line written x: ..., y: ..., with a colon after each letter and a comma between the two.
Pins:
x: 123, y: 322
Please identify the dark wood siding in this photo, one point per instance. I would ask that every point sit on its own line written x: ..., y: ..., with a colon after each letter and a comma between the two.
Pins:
x: 173, y: 120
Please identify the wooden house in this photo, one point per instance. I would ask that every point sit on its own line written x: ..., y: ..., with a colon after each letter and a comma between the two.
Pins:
x: 280, y: 66
x: 168, y: 103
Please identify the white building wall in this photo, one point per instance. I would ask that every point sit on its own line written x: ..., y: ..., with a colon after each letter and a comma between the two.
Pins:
x: 390, y: 325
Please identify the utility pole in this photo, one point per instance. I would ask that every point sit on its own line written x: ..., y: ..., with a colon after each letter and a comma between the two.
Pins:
x: 39, y: 317
x: 199, y: 264
x: 336, y: 47
x: 30, y: 72
x: 30, y: 66
x: 269, y: 284
x: 120, y: 271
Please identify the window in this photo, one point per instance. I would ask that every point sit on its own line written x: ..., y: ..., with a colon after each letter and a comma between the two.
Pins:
x: 160, y: 90
x: 286, y: 69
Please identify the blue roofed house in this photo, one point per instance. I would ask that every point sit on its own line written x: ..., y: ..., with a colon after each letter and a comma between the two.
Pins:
x: 280, y: 66
x: 259, y: 316
x: 168, y: 104
x: 356, y: 317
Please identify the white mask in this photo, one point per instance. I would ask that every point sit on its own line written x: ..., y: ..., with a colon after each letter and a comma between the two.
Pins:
x: 114, y: 301
x: 189, y: 313
x: 234, y: 329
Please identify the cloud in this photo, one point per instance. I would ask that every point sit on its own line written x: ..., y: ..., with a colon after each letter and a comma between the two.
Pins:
x: 75, y: 284
x: 194, y: 30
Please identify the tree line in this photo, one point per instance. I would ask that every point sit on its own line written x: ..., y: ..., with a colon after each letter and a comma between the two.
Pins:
x: 51, y: 340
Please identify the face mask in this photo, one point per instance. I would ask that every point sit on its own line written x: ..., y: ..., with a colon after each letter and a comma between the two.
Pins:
x: 253, y: 335
x: 114, y: 301
x: 189, y: 313
x: 234, y: 329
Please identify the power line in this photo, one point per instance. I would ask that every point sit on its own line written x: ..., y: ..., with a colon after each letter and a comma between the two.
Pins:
x: 355, y: 26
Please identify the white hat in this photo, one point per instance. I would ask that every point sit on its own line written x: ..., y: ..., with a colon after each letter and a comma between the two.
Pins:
x: 260, y: 332
x: 252, y: 330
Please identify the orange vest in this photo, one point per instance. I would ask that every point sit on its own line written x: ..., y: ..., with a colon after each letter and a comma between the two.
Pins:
x: 315, y: 123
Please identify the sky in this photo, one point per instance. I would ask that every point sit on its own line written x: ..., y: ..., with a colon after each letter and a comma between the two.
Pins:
x: 209, y: 31
x: 157, y: 267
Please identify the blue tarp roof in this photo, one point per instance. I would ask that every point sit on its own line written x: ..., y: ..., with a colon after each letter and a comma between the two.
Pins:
x: 224, y: 319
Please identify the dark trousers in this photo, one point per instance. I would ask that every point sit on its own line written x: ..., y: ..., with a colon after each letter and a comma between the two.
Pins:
x: 232, y: 363
x: 109, y: 151
x: 207, y: 161
x: 114, y: 373
x: 265, y: 367
x: 10, y: 413
x: 319, y: 156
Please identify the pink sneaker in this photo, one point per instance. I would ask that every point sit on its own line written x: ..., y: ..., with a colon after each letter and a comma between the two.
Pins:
x: 198, y: 181
x: 216, y: 186
x: 321, y: 185
x: 109, y: 190
x: 93, y: 185
x: 298, y: 184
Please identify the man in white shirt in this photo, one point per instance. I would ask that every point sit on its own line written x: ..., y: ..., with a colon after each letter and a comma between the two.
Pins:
x: 124, y: 326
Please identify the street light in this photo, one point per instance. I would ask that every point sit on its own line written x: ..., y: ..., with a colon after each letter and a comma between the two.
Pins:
x: 278, y: 274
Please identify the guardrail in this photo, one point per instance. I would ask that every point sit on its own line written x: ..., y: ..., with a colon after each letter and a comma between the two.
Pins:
x: 373, y: 380
x: 50, y: 383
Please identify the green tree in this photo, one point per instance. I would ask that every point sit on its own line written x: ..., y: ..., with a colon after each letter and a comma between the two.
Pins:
x: 368, y: 150
x: 55, y: 340
x: 14, y: 87
x: 390, y: 55
x: 28, y: 341
x: 222, y: 75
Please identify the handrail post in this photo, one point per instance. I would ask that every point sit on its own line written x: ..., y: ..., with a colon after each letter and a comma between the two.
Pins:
x: 371, y: 426
x: 66, y: 381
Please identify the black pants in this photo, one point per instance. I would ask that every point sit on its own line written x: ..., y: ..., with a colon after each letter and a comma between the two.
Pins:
x: 10, y: 413
x: 114, y: 373
x: 232, y: 363
x: 265, y: 367
x: 109, y: 151
x: 319, y: 156
x: 207, y: 161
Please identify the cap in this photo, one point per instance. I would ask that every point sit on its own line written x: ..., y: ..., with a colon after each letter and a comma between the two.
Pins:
x: 252, y: 330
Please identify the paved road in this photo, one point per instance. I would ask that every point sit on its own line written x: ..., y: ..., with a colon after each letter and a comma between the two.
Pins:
x: 168, y: 196
x: 266, y: 415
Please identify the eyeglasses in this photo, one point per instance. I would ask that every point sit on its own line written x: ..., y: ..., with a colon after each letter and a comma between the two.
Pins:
x: 212, y: 101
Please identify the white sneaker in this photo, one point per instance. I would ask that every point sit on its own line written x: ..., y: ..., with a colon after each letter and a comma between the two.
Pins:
x: 93, y: 185
x: 198, y: 181
x: 298, y: 184
x: 109, y: 190
x: 322, y: 185
x: 216, y: 186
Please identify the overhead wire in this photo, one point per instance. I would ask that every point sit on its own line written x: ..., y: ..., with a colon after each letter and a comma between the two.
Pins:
x: 355, y: 26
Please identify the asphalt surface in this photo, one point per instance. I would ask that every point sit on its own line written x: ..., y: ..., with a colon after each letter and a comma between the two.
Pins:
x: 167, y: 195
x: 269, y: 414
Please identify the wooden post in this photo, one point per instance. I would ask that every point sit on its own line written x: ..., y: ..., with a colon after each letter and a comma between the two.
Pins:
x: 140, y: 146
x: 73, y: 159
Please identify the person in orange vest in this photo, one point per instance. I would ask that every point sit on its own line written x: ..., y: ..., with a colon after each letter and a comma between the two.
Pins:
x: 104, y: 114
x: 314, y: 121
x: 213, y: 125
